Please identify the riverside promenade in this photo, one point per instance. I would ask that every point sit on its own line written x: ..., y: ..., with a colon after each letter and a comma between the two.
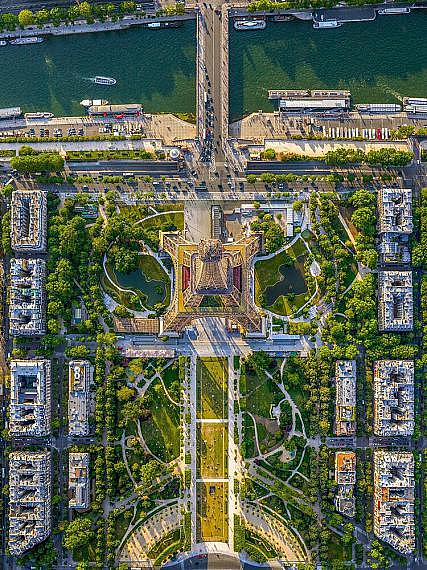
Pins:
x: 82, y: 27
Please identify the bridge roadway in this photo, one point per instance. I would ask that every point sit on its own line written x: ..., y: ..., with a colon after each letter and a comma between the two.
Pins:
x: 212, y: 87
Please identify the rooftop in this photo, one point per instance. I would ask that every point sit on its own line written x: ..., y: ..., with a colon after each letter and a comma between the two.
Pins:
x: 394, y: 499
x: 27, y: 297
x: 28, y: 221
x: 30, y: 407
x: 395, y: 301
x: 29, y: 500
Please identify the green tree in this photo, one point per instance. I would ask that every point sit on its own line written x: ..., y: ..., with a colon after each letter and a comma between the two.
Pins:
x: 26, y: 18
x: 78, y: 534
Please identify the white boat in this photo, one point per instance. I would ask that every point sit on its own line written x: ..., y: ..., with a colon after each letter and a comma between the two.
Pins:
x: 25, y: 41
x: 3, y: 43
x: 38, y: 115
x: 93, y: 102
x: 249, y: 24
x: 327, y: 24
x: 100, y: 80
x: 396, y: 10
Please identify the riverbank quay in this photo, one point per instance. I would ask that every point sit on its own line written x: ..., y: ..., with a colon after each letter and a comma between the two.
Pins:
x: 342, y: 14
x: 260, y: 126
x: 164, y: 127
x: 82, y: 27
x: 314, y: 149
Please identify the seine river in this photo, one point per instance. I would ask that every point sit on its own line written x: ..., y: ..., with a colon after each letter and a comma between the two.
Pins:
x: 378, y: 61
x: 152, y: 67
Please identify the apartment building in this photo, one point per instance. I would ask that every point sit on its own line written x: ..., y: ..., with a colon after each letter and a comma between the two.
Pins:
x: 345, y: 478
x: 80, y: 374
x: 27, y: 297
x: 28, y: 221
x: 394, y: 499
x: 78, y: 480
x: 395, y: 301
x: 345, y: 401
x: 30, y: 398
x: 394, y: 397
x: 395, y: 224
x: 29, y: 500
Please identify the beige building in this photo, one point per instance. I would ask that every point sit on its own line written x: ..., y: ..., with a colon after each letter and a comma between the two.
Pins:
x: 394, y: 499
x: 345, y: 478
x: 28, y: 220
x: 27, y: 297
x: 80, y: 374
x: 345, y: 400
x: 394, y: 397
x: 29, y: 500
x: 78, y: 480
x: 395, y: 224
x: 395, y: 301
x: 30, y: 398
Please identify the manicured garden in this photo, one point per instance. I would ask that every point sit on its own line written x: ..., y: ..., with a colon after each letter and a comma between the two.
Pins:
x: 161, y: 431
x: 212, y: 512
x: 280, y: 282
x: 212, y: 450
x: 212, y: 377
x: 150, y: 284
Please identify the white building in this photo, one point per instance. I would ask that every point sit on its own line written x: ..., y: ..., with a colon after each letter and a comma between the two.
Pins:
x: 395, y: 224
x: 395, y: 210
x: 395, y: 301
x: 27, y: 297
x: 394, y: 397
x: 345, y: 478
x: 345, y: 401
x: 394, y: 499
x: 30, y: 402
x: 29, y: 500
x: 78, y: 480
x: 28, y: 220
x: 80, y: 373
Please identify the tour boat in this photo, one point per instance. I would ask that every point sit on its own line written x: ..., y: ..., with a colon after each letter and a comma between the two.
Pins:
x: 249, y: 24
x: 99, y: 80
x: 25, y: 41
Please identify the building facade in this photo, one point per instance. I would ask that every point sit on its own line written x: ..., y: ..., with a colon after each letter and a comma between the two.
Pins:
x: 30, y: 482
x: 80, y: 373
x: 27, y: 297
x: 30, y: 398
x: 394, y: 397
x: 345, y: 401
x: 394, y: 499
x: 28, y: 221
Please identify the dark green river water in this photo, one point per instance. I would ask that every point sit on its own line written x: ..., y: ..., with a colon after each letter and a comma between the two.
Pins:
x: 152, y: 67
x: 378, y: 61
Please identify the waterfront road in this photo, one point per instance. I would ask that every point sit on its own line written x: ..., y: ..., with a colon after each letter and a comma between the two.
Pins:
x: 276, y: 166
x: 15, y: 6
x: 118, y: 167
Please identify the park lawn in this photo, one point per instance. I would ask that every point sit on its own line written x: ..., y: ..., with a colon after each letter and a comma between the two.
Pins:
x: 212, y: 512
x: 248, y: 447
x: 299, y: 397
x: 260, y: 393
x: 212, y: 450
x: 161, y: 431
x: 282, y: 305
x: 337, y: 550
x: 166, y: 217
x: 167, y: 221
x: 212, y: 381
